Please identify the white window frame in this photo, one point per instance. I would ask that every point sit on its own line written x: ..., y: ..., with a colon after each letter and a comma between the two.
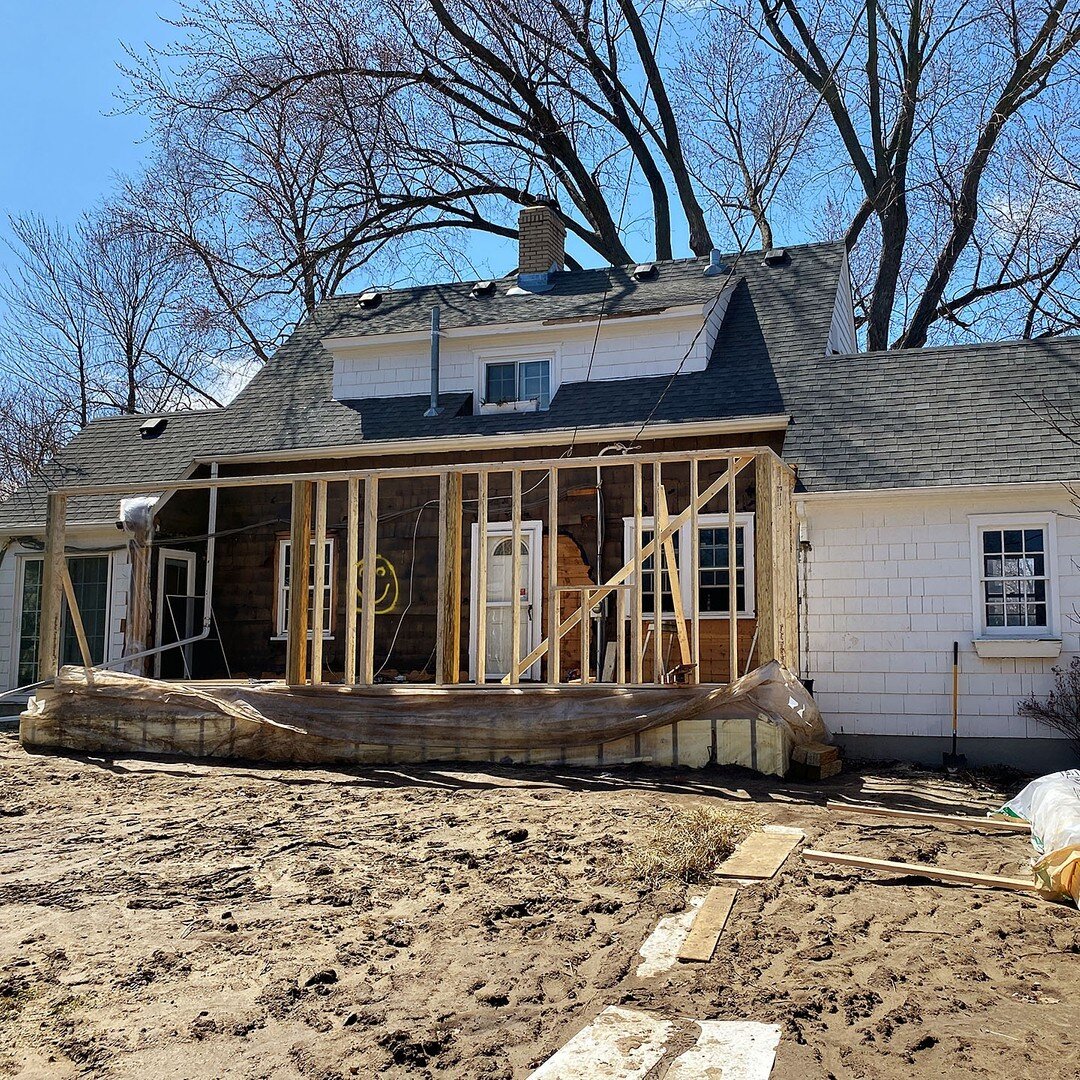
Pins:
x: 21, y: 559
x: 705, y: 521
x: 280, y: 633
x: 980, y: 523
x: 484, y: 357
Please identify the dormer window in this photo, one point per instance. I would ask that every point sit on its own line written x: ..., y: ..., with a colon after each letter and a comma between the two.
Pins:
x: 517, y: 385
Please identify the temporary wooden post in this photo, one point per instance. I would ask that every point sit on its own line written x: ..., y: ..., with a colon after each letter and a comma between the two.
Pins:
x: 52, y: 587
x: 733, y: 591
x: 76, y: 621
x: 367, y: 586
x: 774, y: 563
x: 515, y: 578
x: 695, y: 575
x: 620, y: 636
x: 586, y: 636
x: 657, y: 577
x: 480, y: 557
x: 299, y: 562
x: 663, y: 517
x: 319, y: 584
x: 448, y: 642
x: 637, y: 615
x: 352, y: 557
x: 554, y: 615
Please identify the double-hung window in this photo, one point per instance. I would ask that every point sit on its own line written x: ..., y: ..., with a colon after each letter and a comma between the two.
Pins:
x: 284, y: 587
x: 508, y: 382
x: 713, y: 583
x: 1013, y: 575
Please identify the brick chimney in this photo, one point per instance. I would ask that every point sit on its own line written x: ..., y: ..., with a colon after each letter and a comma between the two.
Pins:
x: 541, y: 240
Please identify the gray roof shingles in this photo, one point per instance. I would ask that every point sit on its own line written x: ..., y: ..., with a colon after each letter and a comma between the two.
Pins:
x: 890, y: 419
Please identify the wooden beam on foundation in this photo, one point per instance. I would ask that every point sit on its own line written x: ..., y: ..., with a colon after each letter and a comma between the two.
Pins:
x: 352, y: 557
x: 52, y: 587
x: 367, y: 585
x: 775, y: 563
x: 448, y: 642
x: 299, y: 560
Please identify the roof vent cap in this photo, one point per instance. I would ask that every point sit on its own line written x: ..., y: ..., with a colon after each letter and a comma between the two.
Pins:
x: 152, y: 428
x: 371, y: 298
x: 716, y: 265
x: 482, y: 289
x: 776, y: 257
x: 646, y: 272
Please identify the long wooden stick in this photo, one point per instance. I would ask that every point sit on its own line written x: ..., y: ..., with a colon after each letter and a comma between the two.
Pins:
x: 52, y: 587
x: 637, y: 614
x: 481, y: 584
x: 673, y: 578
x: 299, y: 562
x: 660, y: 539
x: 695, y: 577
x: 319, y: 584
x: 733, y: 590
x: 938, y: 873
x: 554, y: 675
x: 920, y: 817
x: 367, y: 598
x: 352, y: 557
x: 77, y: 622
x: 605, y: 590
x: 515, y: 578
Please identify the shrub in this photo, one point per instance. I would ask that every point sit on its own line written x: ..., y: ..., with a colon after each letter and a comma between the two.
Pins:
x: 1060, y: 709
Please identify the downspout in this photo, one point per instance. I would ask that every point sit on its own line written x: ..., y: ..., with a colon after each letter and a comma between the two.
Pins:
x: 433, y: 407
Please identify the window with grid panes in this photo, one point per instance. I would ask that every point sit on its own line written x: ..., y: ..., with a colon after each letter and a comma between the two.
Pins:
x: 1014, y: 578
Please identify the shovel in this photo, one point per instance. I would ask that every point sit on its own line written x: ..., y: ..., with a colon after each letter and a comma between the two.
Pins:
x: 953, y: 761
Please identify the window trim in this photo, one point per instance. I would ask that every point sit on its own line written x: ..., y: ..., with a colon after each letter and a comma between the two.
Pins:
x: 978, y: 524
x: 24, y: 557
x: 705, y: 521
x: 280, y: 606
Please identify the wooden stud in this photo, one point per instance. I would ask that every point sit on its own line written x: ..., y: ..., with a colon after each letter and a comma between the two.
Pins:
x: 52, y: 587
x: 663, y: 517
x: 352, y: 557
x: 554, y: 615
x: 708, y: 925
x: 299, y: 561
x: 586, y: 636
x: 695, y: 576
x: 620, y: 636
x: 515, y: 578
x: 448, y: 640
x: 659, y: 540
x: 367, y: 585
x: 733, y: 591
x: 920, y: 817
x: 938, y: 873
x: 637, y: 615
x: 319, y: 584
x: 77, y: 622
x: 481, y: 585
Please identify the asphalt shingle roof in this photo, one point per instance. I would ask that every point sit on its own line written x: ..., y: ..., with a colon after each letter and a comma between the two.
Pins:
x: 969, y: 414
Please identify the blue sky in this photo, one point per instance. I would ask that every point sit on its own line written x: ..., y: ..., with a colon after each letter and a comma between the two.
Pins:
x: 58, y: 77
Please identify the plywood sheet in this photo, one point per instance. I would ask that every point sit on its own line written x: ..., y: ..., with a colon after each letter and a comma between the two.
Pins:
x: 731, y: 1049
x: 761, y: 854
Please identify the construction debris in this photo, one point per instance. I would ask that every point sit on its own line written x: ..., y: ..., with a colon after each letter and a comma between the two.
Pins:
x: 761, y: 854
x: 919, y: 817
x: 708, y: 925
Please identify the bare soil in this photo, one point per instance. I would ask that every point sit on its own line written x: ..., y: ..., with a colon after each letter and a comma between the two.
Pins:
x: 174, y: 919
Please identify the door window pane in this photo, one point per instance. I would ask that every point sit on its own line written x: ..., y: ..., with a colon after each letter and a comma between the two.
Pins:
x: 30, y: 621
x: 90, y: 582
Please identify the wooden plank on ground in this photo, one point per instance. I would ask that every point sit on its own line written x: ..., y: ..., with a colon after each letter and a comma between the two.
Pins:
x: 761, y: 854
x: 923, y: 818
x: 620, y: 1044
x: 708, y: 925
x: 938, y: 873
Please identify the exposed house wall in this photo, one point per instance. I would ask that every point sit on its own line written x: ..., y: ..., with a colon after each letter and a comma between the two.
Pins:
x: 625, y: 349
x: 87, y: 541
x: 889, y: 588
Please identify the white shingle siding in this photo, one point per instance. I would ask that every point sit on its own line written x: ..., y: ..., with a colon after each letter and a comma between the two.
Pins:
x: 889, y: 589
x: 624, y: 349
x: 842, y: 335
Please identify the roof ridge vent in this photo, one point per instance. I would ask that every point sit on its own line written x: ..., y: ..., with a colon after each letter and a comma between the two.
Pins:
x: 152, y: 428
x: 776, y: 257
x: 716, y: 265
x: 370, y: 298
x: 646, y: 272
x: 482, y: 289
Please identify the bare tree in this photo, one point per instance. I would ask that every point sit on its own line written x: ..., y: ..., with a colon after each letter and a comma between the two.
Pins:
x: 32, y: 430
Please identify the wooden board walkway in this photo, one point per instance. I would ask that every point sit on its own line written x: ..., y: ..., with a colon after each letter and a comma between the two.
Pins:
x: 761, y: 854
x: 708, y: 925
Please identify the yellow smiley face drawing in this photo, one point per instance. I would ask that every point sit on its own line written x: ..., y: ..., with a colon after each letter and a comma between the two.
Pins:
x: 386, y: 585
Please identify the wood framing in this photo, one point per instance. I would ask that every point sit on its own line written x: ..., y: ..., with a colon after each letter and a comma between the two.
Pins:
x: 317, y: 599
x: 775, y: 563
x: 367, y: 587
x: 448, y: 640
x: 52, y: 587
x: 480, y: 632
x: 299, y: 559
x: 352, y: 558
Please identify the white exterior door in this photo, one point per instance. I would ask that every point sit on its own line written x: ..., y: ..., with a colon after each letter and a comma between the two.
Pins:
x: 497, y: 607
x: 175, y: 612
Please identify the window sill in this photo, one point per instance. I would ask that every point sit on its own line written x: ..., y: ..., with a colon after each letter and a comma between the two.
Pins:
x: 310, y: 637
x: 525, y: 406
x: 1018, y: 648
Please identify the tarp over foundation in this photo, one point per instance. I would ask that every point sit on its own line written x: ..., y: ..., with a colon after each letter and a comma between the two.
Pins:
x: 761, y: 717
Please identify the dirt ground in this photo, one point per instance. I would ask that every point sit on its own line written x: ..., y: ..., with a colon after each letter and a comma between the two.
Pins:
x: 171, y: 919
